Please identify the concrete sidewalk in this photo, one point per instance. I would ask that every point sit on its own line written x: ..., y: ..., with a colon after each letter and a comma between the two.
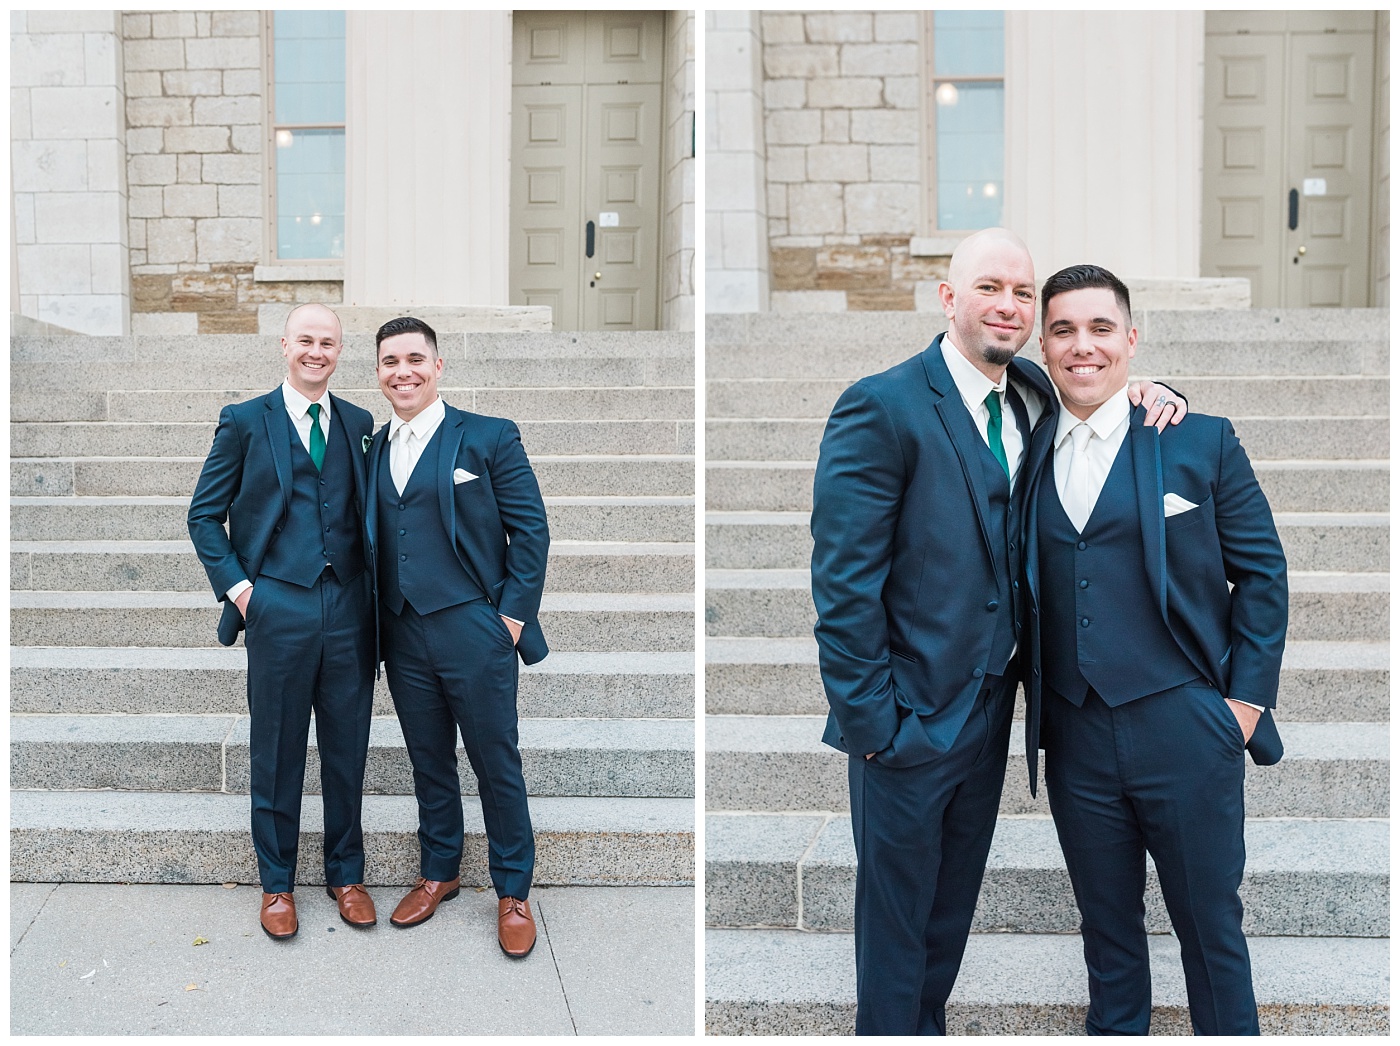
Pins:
x: 98, y: 959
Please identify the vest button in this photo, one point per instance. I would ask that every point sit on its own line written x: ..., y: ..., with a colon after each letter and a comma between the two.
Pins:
x: 1084, y: 622
x: 1082, y: 546
x: 402, y: 532
x: 976, y: 673
x: 1012, y: 546
x: 323, y: 483
x: 992, y: 605
x: 328, y: 530
x: 325, y: 504
x: 403, y: 559
x: 402, y: 506
x: 1016, y: 585
x: 1082, y: 584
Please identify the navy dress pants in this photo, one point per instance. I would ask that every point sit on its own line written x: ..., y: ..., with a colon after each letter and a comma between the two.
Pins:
x: 1162, y: 775
x: 922, y: 834
x: 457, y: 670
x: 309, y: 649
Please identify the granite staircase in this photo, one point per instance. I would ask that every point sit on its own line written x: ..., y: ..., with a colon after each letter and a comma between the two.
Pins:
x: 1309, y: 393
x: 128, y: 723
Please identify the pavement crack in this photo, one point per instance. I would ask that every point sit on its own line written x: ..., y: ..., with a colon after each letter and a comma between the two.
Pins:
x: 549, y: 940
x: 35, y: 918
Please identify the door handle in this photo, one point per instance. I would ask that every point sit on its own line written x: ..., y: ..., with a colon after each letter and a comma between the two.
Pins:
x: 588, y: 240
x: 1292, y: 209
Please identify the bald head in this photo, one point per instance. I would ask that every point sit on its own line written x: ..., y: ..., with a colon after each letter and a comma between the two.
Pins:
x: 310, y: 312
x: 989, y: 299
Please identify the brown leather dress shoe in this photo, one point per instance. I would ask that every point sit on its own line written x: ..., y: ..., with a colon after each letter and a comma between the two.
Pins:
x: 419, y: 903
x: 515, y: 927
x: 356, y: 906
x: 279, y: 916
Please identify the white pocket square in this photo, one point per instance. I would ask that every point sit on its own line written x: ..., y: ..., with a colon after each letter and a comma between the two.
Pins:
x: 1174, y: 505
x: 462, y: 476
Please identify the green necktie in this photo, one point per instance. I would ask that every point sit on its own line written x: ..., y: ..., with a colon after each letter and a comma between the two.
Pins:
x: 318, y: 438
x: 993, y: 403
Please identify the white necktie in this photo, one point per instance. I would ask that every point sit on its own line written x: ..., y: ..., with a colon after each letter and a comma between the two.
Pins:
x: 1076, y: 493
x: 400, y: 466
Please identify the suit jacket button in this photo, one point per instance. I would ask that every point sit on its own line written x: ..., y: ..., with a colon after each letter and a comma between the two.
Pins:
x: 976, y: 673
x: 992, y: 605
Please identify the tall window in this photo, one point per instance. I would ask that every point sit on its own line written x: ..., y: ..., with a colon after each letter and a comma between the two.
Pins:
x: 308, y: 134
x: 968, y: 119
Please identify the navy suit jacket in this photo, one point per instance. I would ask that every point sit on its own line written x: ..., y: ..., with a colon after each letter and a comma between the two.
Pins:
x: 496, y: 522
x: 1233, y: 636
x: 902, y: 568
x: 247, y: 480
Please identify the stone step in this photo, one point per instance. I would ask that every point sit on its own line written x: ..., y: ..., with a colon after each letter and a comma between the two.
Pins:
x: 1209, y: 394
x: 776, y: 763
x: 267, y: 369
x: 787, y: 982
x: 159, y: 837
x: 209, y: 753
x: 1303, y: 878
x: 1295, y: 342
x: 587, y: 621
x: 162, y: 404
x: 567, y: 475
x: 81, y: 439
x: 594, y: 518
x: 1331, y: 541
x: 1290, y: 486
x: 778, y: 602
x: 171, y: 566
x: 799, y: 439
x: 184, y: 681
x: 1320, y: 681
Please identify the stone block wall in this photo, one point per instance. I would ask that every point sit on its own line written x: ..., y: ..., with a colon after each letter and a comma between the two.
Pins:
x: 68, y: 177
x: 842, y: 100
x: 678, y: 196
x: 194, y: 115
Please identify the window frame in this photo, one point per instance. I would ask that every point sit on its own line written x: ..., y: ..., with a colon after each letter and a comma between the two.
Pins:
x: 928, y: 139
x: 270, y: 129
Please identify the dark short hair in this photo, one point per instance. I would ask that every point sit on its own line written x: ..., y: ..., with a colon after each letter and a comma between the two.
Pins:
x: 1083, y: 277
x: 406, y: 325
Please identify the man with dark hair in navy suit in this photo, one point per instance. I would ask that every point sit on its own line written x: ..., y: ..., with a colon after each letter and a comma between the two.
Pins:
x: 1157, y: 674
x: 916, y: 519
x: 287, y: 472
x: 458, y: 534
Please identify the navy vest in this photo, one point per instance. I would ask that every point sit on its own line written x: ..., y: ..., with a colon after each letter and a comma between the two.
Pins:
x: 322, y: 526
x: 1004, y: 513
x: 1096, y: 600
x: 417, y: 563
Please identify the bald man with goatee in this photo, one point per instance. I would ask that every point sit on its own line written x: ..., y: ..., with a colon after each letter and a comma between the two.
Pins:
x: 917, y: 518
x: 287, y: 474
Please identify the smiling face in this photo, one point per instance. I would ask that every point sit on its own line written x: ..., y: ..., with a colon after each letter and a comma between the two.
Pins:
x: 311, y: 346
x: 989, y: 299
x: 408, y: 373
x: 1086, y: 344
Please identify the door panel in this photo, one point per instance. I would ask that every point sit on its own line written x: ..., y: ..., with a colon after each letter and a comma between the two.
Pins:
x: 1288, y: 108
x: 587, y: 138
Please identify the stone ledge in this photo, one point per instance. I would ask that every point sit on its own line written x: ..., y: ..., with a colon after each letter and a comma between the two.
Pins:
x: 298, y: 273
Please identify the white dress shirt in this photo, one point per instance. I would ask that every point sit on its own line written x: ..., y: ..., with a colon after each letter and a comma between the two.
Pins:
x: 297, y: 409
x: 973, y: 387
x: 405, y: 449
x: 1107, y: 426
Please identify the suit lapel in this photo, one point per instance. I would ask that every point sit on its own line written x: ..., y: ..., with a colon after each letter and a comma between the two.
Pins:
x: 275, y: 418
x: 372, y: 466
x: 357, y: 453
x: 1147, y: 471
x: 962, y: 432
x: 452, y: 429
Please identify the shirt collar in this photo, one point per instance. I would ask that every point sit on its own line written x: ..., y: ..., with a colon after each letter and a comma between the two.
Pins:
x: 297, y: 403
x: 422, y: 423
x: 1112, y: 413
x: 972, y: 384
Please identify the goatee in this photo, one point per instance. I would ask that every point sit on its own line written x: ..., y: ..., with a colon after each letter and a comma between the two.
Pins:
x: 997, y: 355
